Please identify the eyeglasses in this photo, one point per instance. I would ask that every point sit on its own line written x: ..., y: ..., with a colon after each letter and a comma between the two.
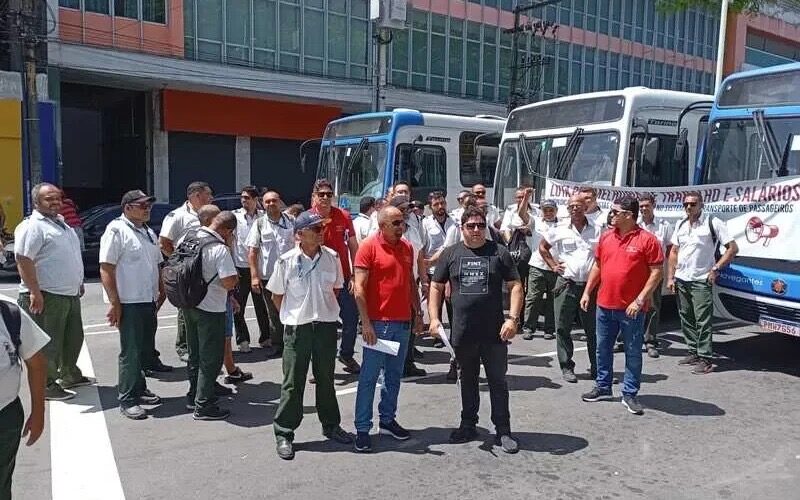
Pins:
x: 689, y: 204
x: 615, y: 212
x: 325, y: 194
x: 398, y: 223
x: 142, y: 205
x: 472, y: 226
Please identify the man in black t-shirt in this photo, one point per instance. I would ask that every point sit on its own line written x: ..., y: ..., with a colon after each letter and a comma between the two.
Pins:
x: 476, y: 270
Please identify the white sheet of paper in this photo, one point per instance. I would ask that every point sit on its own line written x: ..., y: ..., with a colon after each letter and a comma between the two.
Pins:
x: 446, y: 341
x: 386, y: 346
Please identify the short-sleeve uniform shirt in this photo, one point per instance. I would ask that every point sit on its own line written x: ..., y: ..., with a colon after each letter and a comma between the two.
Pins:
x: 273, y: 239
x: 32, y: 338
x: 476, y: 276
x: 696, y: 247
x: 217, y: 265
x: 135, y: 254
x: 178, y: 222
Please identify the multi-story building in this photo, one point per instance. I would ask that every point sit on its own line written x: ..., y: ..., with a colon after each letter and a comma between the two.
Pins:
x: 157, y: 93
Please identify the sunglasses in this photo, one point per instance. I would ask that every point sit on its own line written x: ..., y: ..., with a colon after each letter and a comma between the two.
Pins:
x: 472, y: 226
x: 398, y: 223
x: 615, y: 212
x: 689, y: 204
x: 143, y: 205
x: 325, y: 194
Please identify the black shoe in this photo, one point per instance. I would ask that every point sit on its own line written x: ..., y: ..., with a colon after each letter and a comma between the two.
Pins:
x: 284, y: 448
x: 413, y: 371
x: 463, y: 434
x: 507, y: 443
x: 273, y: 351
x: 350, y: 365
x: 632, y: 404
x: 160, y: 367
x: 339, y: 435
x: 133, y: 412
x: 527, y: 335
x: 55, y: 392
x: 619, y: 347
x: 452, y: 374
x: 393, y: 429
x: 238, y: 376
x: 221, y: 390
x: 702, y: 367
x: 691, y: 359
x: 211, y: 413
x: 75, y: 382
x: 418, y: 354
x: 549, y: 335
x: 183, y: 355
x: 148, y: 398
x: 363, y: 442
x: 652, y: 351
x: 569, y: 375
x: 596, y: 395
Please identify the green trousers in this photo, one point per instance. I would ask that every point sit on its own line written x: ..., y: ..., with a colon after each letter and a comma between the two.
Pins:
x: 695, y: 308
x: 539, y: 299
x: 652, y: 319
x: 137, y: 330
x: 566, y: 300
x: 61, y: 320
x: 11, y: 418
x: 314, y: 343
x: 180, y: 339
x: 205, y: 338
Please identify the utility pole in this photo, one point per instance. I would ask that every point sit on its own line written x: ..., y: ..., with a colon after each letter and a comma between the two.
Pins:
x: 383, y: 37
x: 513, y: 92
x: 723, y: 28
x: 30, y: 36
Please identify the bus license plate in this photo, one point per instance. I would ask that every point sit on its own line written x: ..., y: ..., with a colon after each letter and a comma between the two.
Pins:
x: 779, y: 325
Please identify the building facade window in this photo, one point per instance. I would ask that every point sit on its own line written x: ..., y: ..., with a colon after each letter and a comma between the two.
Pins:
x: 154, y: 11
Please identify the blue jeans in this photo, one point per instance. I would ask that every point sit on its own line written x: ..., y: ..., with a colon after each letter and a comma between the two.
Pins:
x: 610, y: 323
x: 349, y: 314
x: 371, y: 364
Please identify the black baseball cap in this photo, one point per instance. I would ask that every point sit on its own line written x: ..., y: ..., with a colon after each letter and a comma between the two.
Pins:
x: 136, y: 196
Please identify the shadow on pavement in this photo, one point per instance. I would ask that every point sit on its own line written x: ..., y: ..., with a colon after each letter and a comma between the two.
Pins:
x: 648, y: 378
x: 435, y: 357
x: 680, y: 406
x: 764, y: 352
x: 535, y: 361
x: 419, y: 444
x: 554, y: 444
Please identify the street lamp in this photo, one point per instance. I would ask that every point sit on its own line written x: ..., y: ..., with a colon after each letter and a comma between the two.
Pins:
x: 723, y: 26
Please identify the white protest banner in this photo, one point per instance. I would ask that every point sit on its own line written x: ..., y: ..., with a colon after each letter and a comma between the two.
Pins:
x: 763, y: 215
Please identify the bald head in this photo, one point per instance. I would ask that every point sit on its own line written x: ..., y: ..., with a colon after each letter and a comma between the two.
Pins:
x: 207, y: 213
x: 223, y: 220
x: 388, y: 213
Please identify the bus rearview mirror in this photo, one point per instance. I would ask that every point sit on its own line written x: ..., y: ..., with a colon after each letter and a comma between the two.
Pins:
x: 681, y: 146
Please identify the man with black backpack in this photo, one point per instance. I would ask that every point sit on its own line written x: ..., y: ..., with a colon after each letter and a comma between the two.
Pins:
x: 21, y: 339
x: 198, y: 278
x: 694, y: 264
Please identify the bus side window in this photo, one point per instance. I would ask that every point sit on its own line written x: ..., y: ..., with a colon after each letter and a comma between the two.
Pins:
x: 665, y: 171
x: 477, y: 166
x: 424, y: 166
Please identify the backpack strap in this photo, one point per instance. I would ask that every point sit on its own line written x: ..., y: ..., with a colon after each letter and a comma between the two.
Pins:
x: 712, y: 230
x: 13, y: 320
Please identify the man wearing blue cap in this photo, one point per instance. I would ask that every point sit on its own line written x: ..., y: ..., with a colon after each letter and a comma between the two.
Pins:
x: 304, y: 287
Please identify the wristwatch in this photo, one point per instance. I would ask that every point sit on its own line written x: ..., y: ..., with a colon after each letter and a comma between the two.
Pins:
x: 515, y: 319
x: 715, y: 268
x: 639, y: 302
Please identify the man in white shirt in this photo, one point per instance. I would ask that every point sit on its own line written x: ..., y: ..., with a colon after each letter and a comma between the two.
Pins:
x: 22, y: 340
x: 492, y: 213
x: 205, y: 324
x: 304, y: 286
x: 462, y: 198
x: 541, y: 279
x: 131, y: 276
x: 362, y: 221
x: 694, y: 265
x: 50, y: 265
x: 574, y: 245
x: 661, y: 229
x: 270, y: 237
x: 594, y: 213
x: 175, y: 226
x: 246, y: 218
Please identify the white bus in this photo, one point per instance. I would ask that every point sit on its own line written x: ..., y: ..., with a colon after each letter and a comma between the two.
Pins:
x: 616, y: 138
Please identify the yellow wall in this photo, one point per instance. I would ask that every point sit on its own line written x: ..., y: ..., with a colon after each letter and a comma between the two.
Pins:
x: 11, y: 161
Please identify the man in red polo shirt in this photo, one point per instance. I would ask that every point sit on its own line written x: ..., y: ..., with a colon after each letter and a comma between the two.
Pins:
x: 339, y: 235
x: 388, y: 303
x: 628, y: 265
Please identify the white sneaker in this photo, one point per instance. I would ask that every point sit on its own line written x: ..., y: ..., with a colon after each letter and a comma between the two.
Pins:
x: 244, y: 346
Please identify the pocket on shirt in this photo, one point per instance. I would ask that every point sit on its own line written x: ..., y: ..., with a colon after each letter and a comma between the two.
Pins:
x: 569, y: 245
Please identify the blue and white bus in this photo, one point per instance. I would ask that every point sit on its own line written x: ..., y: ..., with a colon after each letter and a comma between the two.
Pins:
x: 363, y: 155
x: 752, y: 151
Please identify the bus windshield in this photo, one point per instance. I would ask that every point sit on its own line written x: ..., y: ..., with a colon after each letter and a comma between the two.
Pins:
x: 593, y: 160
x: 736, y: 151
x: 356, y: 170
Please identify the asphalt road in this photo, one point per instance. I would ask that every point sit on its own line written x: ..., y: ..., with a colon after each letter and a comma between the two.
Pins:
x: 730, y: 434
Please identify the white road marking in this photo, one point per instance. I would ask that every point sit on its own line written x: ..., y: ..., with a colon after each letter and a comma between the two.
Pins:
x: 82, y: 460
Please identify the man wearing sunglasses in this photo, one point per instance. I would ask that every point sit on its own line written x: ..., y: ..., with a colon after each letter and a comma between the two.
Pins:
x: 131, y: 276
x: 628, y: 266
x: 694, y: 264
x: 304, y: 287
x: 574, y: 244
x: 339, y: 235
x: 476, y: 271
